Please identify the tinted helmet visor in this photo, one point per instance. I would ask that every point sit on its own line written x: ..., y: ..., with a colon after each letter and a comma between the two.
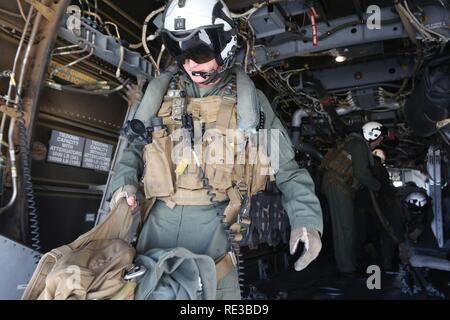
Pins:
x: 201, y: 45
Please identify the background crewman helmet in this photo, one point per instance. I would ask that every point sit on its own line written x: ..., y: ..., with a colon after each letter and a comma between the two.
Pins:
x: 372, y: 131
x: 416, y: 201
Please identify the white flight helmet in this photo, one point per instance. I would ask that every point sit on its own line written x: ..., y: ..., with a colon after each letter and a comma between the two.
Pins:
x: 201, y: 30
x: 380, y: 154
x: 416, y: 200
x: 372, y: 130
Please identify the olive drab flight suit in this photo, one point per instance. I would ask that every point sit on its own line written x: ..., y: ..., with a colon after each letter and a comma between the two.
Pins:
x: 192, y: 222
x: 347, y: 167
x: 367, y: 221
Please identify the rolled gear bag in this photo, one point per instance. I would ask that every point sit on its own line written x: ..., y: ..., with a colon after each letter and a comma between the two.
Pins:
x: 92, y: 266
x: 176, y: 274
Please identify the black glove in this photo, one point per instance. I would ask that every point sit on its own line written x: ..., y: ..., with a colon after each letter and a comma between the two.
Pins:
x: 386, y: 189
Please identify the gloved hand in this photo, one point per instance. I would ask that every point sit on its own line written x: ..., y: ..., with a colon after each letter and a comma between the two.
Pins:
x: 312, y: 242
x: 128, y: 192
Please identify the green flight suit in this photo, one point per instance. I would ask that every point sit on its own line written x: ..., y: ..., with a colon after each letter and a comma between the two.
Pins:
x: 367, y: 221
x: 198, y: 228
x: 340, y: 199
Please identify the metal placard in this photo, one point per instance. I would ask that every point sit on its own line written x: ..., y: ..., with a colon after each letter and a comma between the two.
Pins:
x: 97, y: 155
x: 65, y: 149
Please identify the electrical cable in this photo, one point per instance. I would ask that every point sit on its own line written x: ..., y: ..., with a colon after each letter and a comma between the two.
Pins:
x: 122, y: 49
x: 144, y: 37
x: 161, y: 52
x: 22, y: 13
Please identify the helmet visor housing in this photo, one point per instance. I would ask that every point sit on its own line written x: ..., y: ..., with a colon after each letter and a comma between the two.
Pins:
x: 416, y: 201
x: 201, y: 45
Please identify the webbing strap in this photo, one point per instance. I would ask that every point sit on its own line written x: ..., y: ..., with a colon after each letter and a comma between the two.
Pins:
x: 225, y: 114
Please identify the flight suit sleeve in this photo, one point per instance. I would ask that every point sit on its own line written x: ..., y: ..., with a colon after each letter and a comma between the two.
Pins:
x: 295, y: 183
x: 429, y: 216
x: 360, y: 164
x: 129, y: 169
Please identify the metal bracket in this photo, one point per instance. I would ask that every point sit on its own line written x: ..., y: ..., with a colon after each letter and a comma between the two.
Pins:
x: 108, y: 49
x: 47, y: 12
x: 5, y: 74
x: 134, y: 272
x: 435, y: 191
x: 9, y: 111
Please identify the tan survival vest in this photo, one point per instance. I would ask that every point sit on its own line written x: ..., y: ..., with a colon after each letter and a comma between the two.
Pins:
x: 172, y: 172
x: 338, y: 162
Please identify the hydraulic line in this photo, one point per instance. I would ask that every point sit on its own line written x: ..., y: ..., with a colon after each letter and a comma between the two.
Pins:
x: 57, y: 86
x: 10, y: 13
x: 24, y: 149
x: 12, y: 124
x: 91, y: 52
x: 19, y: 5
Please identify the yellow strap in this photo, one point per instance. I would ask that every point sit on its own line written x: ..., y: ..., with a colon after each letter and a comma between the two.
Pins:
x: 181, y: 167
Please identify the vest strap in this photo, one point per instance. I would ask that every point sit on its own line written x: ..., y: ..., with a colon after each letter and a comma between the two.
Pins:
x: 225, y: 114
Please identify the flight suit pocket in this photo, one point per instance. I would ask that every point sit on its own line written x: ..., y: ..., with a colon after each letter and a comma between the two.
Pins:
x: 158, y: 173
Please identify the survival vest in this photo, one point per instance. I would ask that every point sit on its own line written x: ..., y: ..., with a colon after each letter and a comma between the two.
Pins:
x: 338, y: 162
x: 212, y: 148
